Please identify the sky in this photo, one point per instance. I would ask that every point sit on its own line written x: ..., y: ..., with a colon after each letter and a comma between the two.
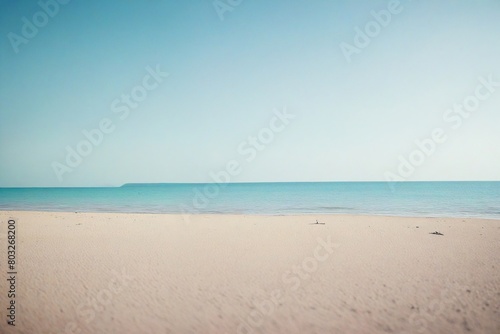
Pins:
x: 248, y: 91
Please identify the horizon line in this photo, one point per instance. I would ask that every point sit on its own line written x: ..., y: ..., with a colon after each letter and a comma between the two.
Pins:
x: 249, y: 182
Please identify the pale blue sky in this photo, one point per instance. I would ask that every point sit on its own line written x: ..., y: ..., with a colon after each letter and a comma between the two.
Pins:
x: 353, y: 119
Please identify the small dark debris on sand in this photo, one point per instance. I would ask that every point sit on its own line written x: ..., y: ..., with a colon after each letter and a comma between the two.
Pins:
x: 436, y: 233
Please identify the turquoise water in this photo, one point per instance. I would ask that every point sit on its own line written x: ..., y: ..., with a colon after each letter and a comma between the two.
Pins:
x: 429, y: 199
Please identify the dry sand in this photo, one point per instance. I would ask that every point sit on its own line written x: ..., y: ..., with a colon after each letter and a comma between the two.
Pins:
x: 141, y: 273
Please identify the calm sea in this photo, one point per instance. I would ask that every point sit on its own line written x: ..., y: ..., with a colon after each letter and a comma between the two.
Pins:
x: 429, y: 199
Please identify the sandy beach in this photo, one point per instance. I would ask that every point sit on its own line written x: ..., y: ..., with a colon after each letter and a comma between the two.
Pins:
x: 141, y: 273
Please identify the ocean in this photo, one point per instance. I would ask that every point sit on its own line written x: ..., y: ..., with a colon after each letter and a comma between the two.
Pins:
x: 421, y: 199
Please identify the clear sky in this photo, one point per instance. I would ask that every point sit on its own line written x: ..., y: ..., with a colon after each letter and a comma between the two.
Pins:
x: 353, y: 120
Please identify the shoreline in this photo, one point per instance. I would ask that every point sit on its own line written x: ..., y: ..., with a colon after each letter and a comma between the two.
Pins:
x: 254, y: 214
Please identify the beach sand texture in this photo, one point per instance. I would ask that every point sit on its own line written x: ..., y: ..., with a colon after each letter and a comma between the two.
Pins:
x: 141, y: 273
